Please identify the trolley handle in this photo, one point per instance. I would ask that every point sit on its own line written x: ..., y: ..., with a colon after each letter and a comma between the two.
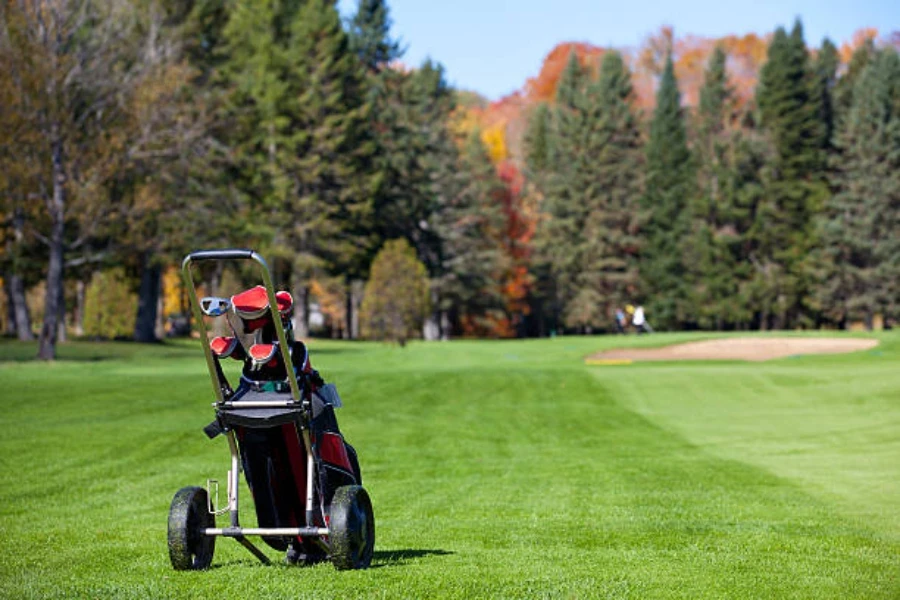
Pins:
x: 224, y: 254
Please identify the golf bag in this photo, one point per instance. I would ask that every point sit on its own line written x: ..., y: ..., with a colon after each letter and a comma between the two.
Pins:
x: 272, y: 453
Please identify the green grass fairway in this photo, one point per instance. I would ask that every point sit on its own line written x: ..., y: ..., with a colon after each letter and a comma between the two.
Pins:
x: 497, y: 470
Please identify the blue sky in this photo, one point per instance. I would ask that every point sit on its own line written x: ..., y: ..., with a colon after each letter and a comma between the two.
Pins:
x: 493, y: 46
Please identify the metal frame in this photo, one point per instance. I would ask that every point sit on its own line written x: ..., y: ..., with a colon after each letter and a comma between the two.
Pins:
x: 231, y: 254
x: 235, y: 530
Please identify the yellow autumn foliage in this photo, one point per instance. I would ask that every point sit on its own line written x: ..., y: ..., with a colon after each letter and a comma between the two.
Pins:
x: 494, y: 139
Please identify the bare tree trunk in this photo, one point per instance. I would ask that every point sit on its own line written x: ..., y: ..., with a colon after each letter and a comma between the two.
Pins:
x: 160, y: 315
x: 431, y: 329
x: 445, y: 326
x: 301, y: 310
x: 62, y: 335
x: 78, y: 325
x: 56, y: 206
x: 10, y: 329
x: 358, y: 287
x: 19, y: 308
x: 354, y: 292
x: 19, y: 323
x: 148, y: 301
x: 348, y: 310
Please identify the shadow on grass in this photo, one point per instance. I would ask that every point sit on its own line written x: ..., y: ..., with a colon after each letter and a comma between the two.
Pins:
x: 62, y: 357
x: 396, y: 558
x: 383, y: 558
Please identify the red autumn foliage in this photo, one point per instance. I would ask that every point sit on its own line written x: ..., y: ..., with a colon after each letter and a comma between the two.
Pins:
x: 521, y: 223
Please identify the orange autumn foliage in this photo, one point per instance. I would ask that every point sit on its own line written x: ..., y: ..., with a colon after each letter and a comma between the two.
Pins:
x: 746, y: 54
x: 543, y: 87
x: 332, y: 300
x: 521, y: 222
x: 860, y: 38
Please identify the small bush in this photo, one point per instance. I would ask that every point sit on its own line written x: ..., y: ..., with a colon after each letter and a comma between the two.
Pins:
x: 110, y: 307
x: 395, y: 300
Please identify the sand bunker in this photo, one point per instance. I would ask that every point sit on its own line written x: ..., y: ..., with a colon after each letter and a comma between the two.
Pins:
x: 752, y: 349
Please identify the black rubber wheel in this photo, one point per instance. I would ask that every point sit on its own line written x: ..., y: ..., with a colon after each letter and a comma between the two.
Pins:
x: 189, y: 515
x: 352, y: 528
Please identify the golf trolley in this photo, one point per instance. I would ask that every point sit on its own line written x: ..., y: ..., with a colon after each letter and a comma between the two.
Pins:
x: 282, y: 433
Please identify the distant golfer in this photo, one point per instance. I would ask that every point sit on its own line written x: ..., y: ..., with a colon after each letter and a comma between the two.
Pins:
x: 640, y: 321
x: 620, y: 320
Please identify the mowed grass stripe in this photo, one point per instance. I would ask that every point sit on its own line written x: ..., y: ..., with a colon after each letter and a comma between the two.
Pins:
x: 830, y: 425
x: 526, y: 478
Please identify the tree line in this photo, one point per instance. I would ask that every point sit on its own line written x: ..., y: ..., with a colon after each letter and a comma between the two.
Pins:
x: 779, y: 213
x: 135, y: 131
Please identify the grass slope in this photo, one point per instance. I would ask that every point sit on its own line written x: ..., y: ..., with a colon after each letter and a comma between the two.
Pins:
x: 497, y: 470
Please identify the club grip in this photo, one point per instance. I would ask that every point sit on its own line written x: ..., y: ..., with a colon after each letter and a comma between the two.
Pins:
x: 224, y: 254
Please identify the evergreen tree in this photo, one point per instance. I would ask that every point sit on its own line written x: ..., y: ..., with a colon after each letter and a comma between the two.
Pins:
x: 370, y: 35
x: 418, y: 159
x: 710, y: 266
x: 783, y: 233
x: 824, y: 80
x: 371, y: 42
x: 334, y: 173
x: 730, y: 156
x: 536, y: 145
x: 559, y: 235
x: 470, y: 224
x: 558, y: 240
x: 300, y: 134
x: 585, y: 156
x: 536, y: 141
x: 612, y: 185
x: 669, y: 188
x: 418, y: 168
x: 846, y: 84
x: 863, y: 217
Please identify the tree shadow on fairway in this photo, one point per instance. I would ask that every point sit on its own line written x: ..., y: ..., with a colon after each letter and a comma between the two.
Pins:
x: 396, y: 558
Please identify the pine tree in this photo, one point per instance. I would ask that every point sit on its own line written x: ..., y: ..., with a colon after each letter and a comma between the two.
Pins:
x: 783, y: 233
x: 470, y: 225
x: 536, y: 141
x: 585, y: 157
x: 824, y: 80
x: 710, y: 265
x: 731, y: 157
x: 370, y: 36
x: 669, y: 188
x: 863, y: 217
x: 418, y: 159
x: 536, y: 144
x: 559, y: 237
x: 300, y: 133
x: 611, y: 182
x: 418, y: 169
x: 843, y: 89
